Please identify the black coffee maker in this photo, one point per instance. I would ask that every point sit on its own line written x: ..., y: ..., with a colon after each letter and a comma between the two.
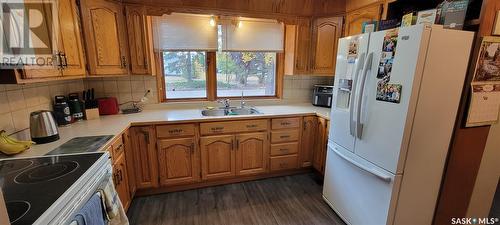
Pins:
x: 62, y: 113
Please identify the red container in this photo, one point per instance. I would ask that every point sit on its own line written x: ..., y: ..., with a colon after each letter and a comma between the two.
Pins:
x: 108, y: 106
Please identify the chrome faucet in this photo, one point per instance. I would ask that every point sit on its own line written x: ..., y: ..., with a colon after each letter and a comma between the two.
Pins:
x: 242, y: 101
x: 225, y: 102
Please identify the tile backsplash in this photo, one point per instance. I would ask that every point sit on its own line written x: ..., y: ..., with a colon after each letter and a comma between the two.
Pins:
x: 132, y: 88
x: 18, y: 101
x: 125, y: 88
x: 300, y: 88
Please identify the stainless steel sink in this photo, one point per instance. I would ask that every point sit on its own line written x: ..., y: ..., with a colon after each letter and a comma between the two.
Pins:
x: 214, y: 112
x: 229, y: 111
x: 244, y: 111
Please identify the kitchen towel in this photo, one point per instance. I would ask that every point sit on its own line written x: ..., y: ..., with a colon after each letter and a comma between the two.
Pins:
x: 114, y: 209
x: 91, y: 213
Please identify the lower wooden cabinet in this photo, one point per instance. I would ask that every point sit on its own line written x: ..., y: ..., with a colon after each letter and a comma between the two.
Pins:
x: 252, y: 153
x: 309, y: 136
x: 145, y: 157
x: 217, y: 157
x: 320, y: 145
x: 178, y: 161
x: 120, y: 179
x: 129, y: 156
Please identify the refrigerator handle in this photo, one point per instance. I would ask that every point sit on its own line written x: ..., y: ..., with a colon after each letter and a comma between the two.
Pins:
x: 366, y: 68
x: 359, y: 66
x: 359, y: 165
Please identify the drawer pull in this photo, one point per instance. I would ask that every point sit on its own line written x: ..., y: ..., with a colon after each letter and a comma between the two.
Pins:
x: 284, y: 149
x: 217, y: 129
x: 175, y: 131
x: 285, y: 136
x: 252, y: 126
x: 285, y: 123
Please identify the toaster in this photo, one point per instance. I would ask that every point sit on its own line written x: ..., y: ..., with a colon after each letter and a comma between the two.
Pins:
x: 108, y: 106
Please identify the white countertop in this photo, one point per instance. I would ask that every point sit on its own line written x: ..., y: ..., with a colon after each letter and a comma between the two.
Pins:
x: 116, y: 124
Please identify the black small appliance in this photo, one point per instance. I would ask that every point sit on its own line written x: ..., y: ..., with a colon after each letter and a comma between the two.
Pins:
x: 322, y: 96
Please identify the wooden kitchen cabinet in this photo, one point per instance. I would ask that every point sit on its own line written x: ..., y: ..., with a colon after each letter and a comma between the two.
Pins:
x: 252, y: 154
x: 68, y: 60
x: 326, y: 32
x: 297, y: 47
x: 355, y: 19
x: 145, y: 157
x: 178, y: 161
x: 309, y: 135
x: 120, y: 179
x: 105, y: 37
x: 320, y: 145
x: 217, y: 157
x: 140, y: 41
x: 129, y: 156
x: 71, y: 43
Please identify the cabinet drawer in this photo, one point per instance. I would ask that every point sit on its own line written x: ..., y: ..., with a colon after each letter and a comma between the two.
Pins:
x: 178, y: 130
x: 284, y: 149
x: 233, y: 127
x: 284, y: 136
x: 284, y: 162
x: 284, y: 123
x: 117, y: 148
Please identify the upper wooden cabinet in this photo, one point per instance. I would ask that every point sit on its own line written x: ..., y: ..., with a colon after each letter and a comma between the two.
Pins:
x: 354, y: 19
x: 71, y: 45
x: 140, y: 41
x: 326, y: 32
x: 105, y: 37
x: 68, y: 60
x: 297, y: 47
x: 309, y: 135
x: 217, y: 157
x: 252, y: 153
x: 311, y: 46
x: 178, y: 161
x: 145, y: 157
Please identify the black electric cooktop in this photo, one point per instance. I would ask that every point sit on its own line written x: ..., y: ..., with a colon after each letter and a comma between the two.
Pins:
x: 81, y: 144
x: 31, y: 185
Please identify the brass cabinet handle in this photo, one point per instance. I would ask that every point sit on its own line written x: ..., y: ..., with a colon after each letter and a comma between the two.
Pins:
x: 284, y: 136
x: 124, y: 62
x: 64, y: 60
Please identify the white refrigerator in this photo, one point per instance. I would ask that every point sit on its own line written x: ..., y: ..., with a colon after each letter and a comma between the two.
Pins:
x: 395, y: 103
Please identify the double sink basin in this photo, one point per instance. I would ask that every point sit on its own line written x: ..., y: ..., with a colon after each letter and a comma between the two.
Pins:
x: 230, y: 111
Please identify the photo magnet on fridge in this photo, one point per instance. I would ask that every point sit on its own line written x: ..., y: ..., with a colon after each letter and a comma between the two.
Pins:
x: 389, y: 92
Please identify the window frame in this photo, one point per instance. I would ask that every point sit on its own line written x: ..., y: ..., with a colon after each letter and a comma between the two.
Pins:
x: 211, y: 84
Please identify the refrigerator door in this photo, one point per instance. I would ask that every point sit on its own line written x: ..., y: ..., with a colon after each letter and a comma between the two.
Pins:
x: 359, y: 191
x: 348, y: 67
x: 383, y: 128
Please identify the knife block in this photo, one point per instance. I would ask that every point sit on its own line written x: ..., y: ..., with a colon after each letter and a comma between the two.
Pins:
x: 91, y: 114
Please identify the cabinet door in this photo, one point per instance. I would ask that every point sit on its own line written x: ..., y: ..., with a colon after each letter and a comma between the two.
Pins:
x: 326, y: 33
x: 120, y: 180
x: 355, y: 19
x: 252, y: 153
x: 320, y: 144
x: 178, y: 161
x: 297, y: 47
x: 217, y: 157
x: 140, y: 40
x: 145, y: 158
x: 308, y: 138
x: 104, y: 29
x: 129, y: 156
x: 70, y: 39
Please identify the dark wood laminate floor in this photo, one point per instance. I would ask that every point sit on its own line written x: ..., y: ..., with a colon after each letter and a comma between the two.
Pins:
x: 290, y: 200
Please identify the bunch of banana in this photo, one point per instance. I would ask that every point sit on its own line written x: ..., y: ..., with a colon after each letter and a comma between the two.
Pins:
x: 10, y: 145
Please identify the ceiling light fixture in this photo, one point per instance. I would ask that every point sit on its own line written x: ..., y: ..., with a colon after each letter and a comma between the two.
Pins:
x: 212, y: 21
